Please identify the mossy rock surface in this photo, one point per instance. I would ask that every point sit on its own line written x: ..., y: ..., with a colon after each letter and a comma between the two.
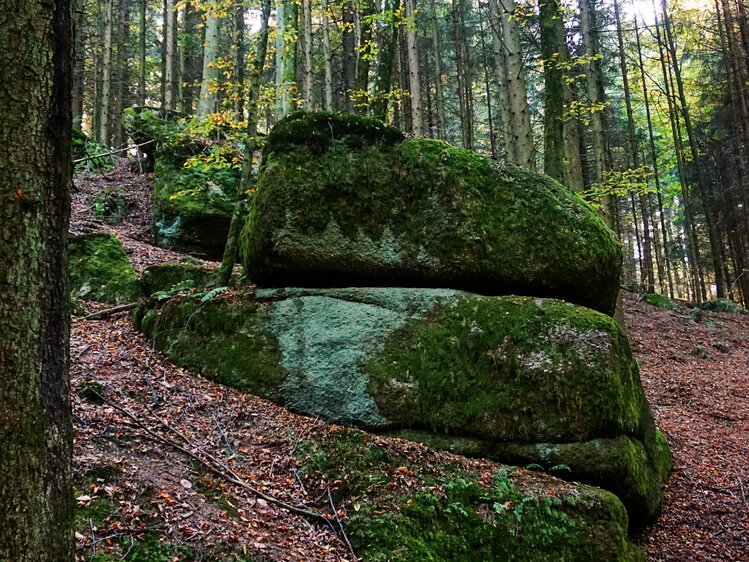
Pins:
x: 100, y: 269
x: 347, y: 201
x: 193, y: 205
x: 415, y: 511
x: 170, y: 276
x: 497, y: 370
x: 723, y: 305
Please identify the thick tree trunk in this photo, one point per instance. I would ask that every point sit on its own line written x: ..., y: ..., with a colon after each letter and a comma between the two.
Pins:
x: 521, y: 132
x: 561, y: 141
x: 207, y: 102
x: 35, y: 424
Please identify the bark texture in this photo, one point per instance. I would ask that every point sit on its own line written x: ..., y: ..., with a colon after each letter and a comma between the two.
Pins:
x: 35, y: 426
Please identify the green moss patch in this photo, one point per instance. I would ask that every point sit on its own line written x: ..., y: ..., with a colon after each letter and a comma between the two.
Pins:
x: 420, y: 511
x: 421, y: 213
x: 723, y: 305
x: 100, y: 270
x: 661, y: 301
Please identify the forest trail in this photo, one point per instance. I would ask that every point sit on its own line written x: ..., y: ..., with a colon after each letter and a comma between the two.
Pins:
x: 133, y: 485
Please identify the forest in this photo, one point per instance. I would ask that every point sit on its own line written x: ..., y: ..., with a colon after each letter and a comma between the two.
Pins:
x: 640, y: 107
x: 358, y: 280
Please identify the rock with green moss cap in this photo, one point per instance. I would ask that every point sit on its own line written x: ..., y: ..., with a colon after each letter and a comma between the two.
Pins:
x: 345, y: 200
x: 516, y: 377
x: 100, y: 269
x: 179, y: 275
x: 417, y: 507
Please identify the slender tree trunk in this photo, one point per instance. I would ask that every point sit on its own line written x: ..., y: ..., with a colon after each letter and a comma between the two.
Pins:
x: 500, y: 63
x: 247, y: 181
x: 327, y: 56
x: 239, y: 60
x: 36, y: 518
x: 79, y: 66
x: 385, y: 63
x: 647, y: 276
x: 123, y: 77
x: 365, y: 53
x: 439, y: 98
x: 654, y: 162
x: 487, y: 88
x: 466, y: 127
x: 349, y: 56
x: 714, y: 239
x: 106, y: 76
x: 417, y: 118
x: 207, y: 102
x: 308, y: 73
x: 142, y: 54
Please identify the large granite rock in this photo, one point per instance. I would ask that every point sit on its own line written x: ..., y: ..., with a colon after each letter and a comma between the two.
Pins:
x: 345, y: 200
x: 100, y: 269
x: 524, y: 379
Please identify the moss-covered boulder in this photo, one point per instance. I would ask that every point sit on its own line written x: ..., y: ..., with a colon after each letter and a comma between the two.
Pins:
x: 194, y: 195
x: 345, y: 200
x: 421, y: 506
x: 100, y: 269
x: 516, y: 377
x: 660, y: 301
x: 179, y: 275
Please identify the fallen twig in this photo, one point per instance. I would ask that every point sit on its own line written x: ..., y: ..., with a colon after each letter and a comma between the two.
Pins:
x: 220, y: 469
x: 109, y: 311
x: 113, y: 152
x: 340, y: 525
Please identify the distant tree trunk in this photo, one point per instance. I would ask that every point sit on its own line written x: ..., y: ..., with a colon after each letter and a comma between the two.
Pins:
x: 349, y: 56
x: 417, y: 119
x: 207, y: 102
x: 307, y: 70
x: 247, y: 181
x: 106, y: 76
x: 239, y: 60
x: 79, y: 66
x: 123, y: 75
x: 365, y: 53
x: 142, y: 54
x: 464, y: 88
x: 716, y: 250
x: 328, y: 57
x: 36, y: 518
x: 191, y: 55
x: 385, y: 63
x: 646, y: 259
x: 500, y: 62
x: 439, y: 98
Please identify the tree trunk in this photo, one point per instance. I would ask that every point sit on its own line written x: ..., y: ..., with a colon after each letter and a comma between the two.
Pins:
x: 500, y: 63
x: 466, y: 125
x: 79, y: 66
x: 207, y: 102
x: 417, y: 119
x: 439, y: 98
x: 142, y: 55
x: 349, y: 56
x: 190, y: 53
x: 123, y: 76
x: 383, y: 80
x: 106, y: 76
x: 170, y: 59
x: 239, y: 60
x: 247, y: 182
x: 520, y: 130
x: 327, y: 56
x: 308, y: 73
x: 561, y: 141
x: 36, y: 518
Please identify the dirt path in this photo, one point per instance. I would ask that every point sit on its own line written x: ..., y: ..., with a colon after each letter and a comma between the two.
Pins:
x: 697, y: 379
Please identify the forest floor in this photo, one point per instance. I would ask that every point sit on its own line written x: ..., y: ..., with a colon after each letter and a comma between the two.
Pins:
x: 134, y: 409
